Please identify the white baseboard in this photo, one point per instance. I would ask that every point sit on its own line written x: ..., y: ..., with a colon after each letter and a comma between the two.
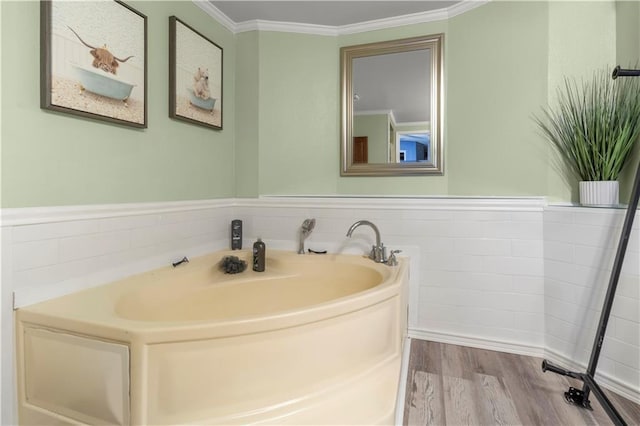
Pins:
x: 477, y: 342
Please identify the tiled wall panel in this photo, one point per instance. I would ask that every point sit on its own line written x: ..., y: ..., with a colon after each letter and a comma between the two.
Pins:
x: 579, y: 250
x: 70, y: 250
x: 507, y: 274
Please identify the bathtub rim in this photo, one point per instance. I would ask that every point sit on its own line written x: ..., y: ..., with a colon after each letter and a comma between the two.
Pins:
x: 106, y: 324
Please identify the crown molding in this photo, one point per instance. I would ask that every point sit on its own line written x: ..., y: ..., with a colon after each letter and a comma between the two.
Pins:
x: 286, y: 27
x: 216, y: 14
x: 414, y: 123
x: 374, y: 112
x: 328, y: 30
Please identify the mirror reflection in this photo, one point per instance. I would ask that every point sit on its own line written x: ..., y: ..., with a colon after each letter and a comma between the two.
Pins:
x: 391, y: 98
x: 413, y: 146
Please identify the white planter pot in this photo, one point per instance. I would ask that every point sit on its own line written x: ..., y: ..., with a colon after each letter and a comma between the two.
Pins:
x: 599, y: 193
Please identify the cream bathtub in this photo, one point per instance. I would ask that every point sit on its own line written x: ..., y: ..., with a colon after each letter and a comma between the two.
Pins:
x: 315, y: 339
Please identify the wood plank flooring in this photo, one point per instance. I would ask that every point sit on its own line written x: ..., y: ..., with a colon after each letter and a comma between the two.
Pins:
x: 458, y: 385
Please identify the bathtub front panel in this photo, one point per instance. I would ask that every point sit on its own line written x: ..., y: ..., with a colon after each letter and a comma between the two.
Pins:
x: 73, y: 377
x: 220, y: 380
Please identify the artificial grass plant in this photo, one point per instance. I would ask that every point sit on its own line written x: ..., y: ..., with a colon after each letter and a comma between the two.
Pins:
x: 594, y: 125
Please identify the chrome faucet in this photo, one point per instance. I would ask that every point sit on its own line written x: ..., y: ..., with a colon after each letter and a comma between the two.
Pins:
x: 379, y: 251
x: 305, y: 231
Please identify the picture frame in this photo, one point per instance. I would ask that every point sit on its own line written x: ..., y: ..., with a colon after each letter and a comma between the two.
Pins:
x: 93, y: 60
x: 195, y: 76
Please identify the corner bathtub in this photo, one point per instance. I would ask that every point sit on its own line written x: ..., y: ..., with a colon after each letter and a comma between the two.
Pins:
x: 315, y: 339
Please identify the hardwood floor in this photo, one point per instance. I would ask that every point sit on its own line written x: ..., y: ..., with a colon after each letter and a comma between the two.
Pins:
x: 458, y: 385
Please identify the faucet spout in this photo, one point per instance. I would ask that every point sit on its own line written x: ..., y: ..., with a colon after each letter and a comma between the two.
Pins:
x: 378, y: 251
x: 365, y: 222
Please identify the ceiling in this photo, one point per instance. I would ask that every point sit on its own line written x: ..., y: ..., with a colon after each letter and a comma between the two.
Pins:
x: 399, y: 82
x: 327, y: 12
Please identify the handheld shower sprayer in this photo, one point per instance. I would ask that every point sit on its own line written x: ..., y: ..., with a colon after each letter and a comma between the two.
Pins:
x: 305, y: 231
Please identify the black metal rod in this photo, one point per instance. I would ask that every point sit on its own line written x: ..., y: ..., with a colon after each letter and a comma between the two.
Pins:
x: 180, y: 262
x: 549, y: 366
x: 615, y: 274
x: 620, y: 72
x: 587, y: 378
x: 606, y: 404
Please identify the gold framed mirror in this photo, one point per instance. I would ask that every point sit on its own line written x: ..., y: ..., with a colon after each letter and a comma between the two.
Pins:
x: 391, y: 104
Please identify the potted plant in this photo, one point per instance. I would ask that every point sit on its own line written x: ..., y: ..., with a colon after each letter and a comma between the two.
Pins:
x: 593, y: 128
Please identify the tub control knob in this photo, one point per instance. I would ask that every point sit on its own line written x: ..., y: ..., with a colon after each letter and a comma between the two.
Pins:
x: 392, y: 261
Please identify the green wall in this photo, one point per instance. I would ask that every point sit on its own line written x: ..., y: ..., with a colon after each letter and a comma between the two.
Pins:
x: 496, y: 79
x: 628, y: 56
x: 247, y: 147
x: 299, y: 114
x: 503, y: 62
x: 582, y: 39
x: 57, y: 159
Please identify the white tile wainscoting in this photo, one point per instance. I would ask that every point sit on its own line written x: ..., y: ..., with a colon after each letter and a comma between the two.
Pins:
x: 579, y: 249
x: 510, y: 274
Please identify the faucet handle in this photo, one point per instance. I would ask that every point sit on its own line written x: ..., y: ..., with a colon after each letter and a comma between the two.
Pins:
x: 393, y: 261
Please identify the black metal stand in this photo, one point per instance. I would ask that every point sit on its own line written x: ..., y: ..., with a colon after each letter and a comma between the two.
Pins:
x: 581, y: 397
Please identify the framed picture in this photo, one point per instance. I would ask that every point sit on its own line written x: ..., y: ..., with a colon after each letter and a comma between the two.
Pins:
x: 93, y: 60
x: 195, y: 76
